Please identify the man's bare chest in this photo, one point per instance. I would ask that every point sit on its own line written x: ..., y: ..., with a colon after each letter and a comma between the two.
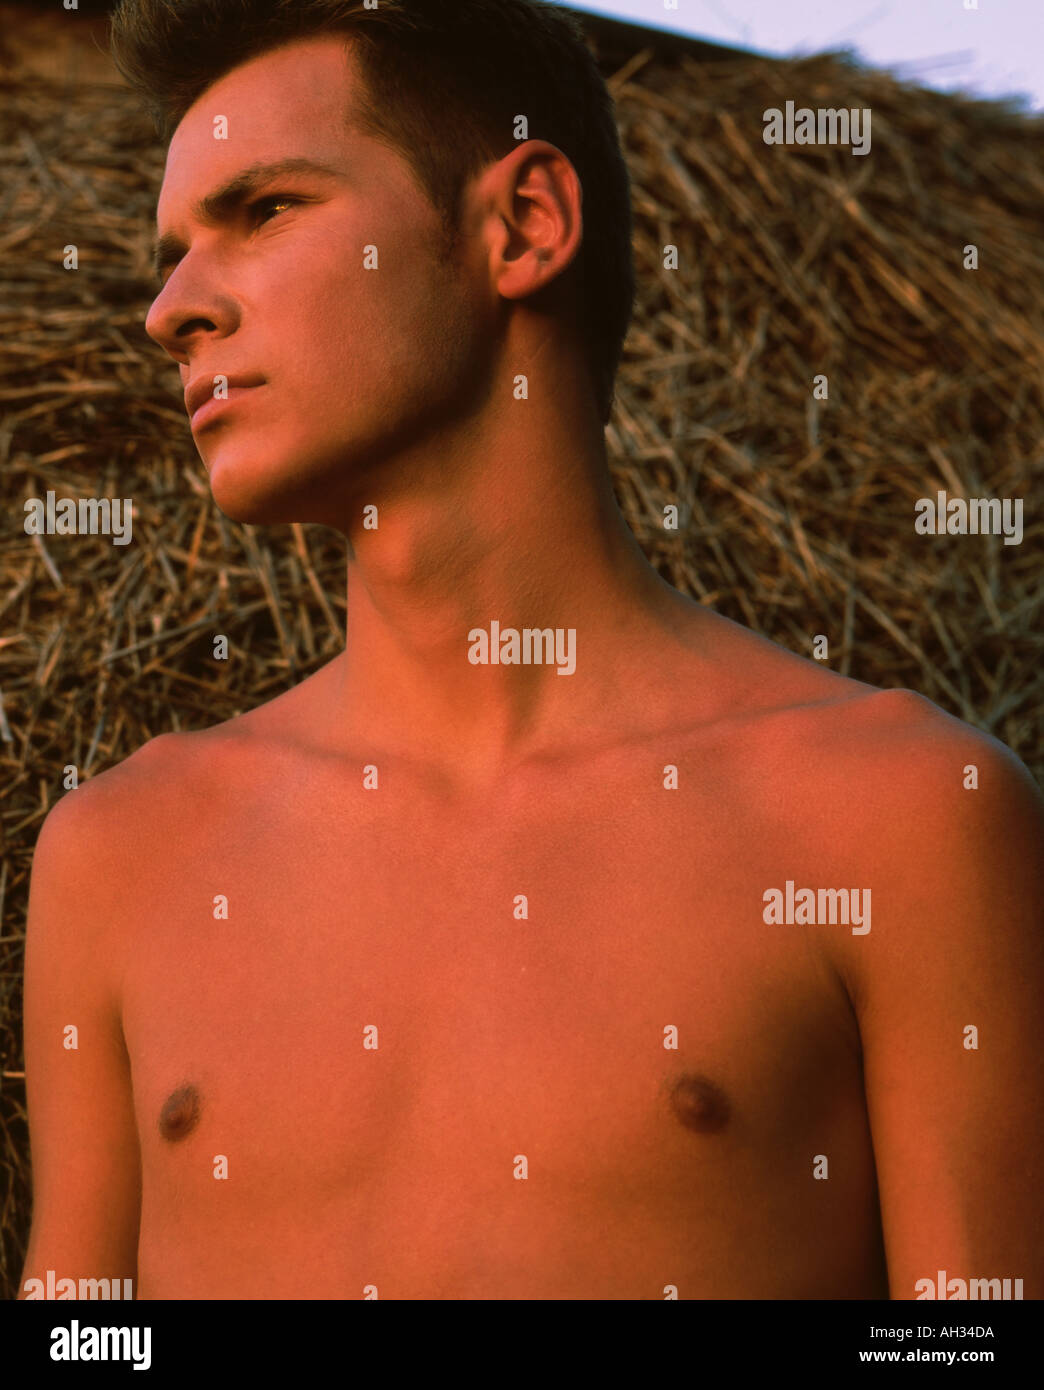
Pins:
x: 347, y: 982
x: 487, y: 1049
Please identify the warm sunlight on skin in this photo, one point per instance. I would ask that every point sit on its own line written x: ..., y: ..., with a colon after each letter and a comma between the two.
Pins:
x: 494, y: 1010
x: 352, y: 359
x: 394, y: 388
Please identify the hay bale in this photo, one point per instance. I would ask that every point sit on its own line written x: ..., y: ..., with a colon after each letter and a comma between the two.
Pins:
x: 796, y: 515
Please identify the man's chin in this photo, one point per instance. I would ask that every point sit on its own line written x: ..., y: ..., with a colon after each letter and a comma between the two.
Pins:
x: 243, y: 496
x: 256, y: 495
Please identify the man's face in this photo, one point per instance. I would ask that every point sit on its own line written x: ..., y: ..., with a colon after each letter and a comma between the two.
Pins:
x: 355, y: 363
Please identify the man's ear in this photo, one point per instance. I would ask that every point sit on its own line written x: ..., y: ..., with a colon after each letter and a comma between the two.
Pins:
x: 535, y: 202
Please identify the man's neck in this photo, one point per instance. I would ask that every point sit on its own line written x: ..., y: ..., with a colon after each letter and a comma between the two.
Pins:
x: 521, y: 531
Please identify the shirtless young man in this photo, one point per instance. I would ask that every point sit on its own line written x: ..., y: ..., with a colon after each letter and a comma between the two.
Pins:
x: 495, y: 1011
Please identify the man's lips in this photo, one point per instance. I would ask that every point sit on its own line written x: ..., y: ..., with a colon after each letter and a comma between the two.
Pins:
x: 200, y: 401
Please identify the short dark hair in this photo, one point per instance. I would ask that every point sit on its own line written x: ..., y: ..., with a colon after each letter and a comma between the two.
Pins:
x: 443, y: 83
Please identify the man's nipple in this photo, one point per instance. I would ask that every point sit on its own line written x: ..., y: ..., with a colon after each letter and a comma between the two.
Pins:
x: 180, y: 1114
x: 699, y: 1104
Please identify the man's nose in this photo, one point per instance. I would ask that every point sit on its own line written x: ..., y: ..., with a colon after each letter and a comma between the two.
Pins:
x: 185, y: 310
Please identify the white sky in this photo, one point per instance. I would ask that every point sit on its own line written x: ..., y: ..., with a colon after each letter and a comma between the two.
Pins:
x: 993, y: 50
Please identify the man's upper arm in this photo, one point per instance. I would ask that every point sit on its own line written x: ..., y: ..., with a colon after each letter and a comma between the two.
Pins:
x: 950, y: 998
x: 84, y: 1146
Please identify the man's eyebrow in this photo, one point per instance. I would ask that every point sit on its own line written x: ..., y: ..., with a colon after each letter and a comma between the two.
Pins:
x: 168, y: 249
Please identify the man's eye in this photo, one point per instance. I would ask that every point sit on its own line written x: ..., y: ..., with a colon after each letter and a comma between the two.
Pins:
x: 263, y: 205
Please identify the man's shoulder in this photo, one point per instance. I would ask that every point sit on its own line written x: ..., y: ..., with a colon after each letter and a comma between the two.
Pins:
x: 874, y: 772
x: 182, y: 773
x: 899, y: 744
x: 960, y: 811
x: 883, y: 790
x: 898, y: 761
x: 819, y: 720
x: 115, y: 815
